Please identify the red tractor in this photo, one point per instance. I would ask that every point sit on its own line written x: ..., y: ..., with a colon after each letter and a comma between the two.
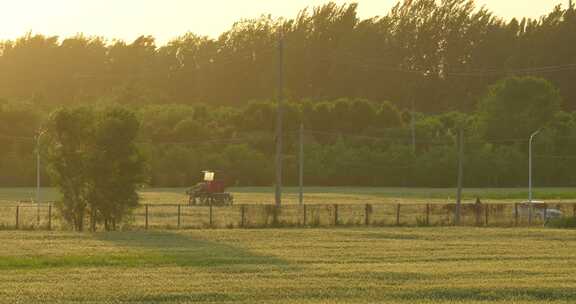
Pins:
x: 210, y: 192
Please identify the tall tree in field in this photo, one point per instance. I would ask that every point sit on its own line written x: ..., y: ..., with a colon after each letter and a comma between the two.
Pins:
x: 95, y: 163
x: 116, y: 167
x: 71, y: 133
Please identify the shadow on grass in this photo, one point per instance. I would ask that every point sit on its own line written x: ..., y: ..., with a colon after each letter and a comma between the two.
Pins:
x: 508, y: 295
x: 152, y: 249
x: 166, y: 248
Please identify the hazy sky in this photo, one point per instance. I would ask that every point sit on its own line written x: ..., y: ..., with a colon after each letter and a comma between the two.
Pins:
x: 165, y: 19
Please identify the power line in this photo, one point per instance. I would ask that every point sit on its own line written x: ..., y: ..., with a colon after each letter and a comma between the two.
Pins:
x: 18, y: 138
x: 555, y: 156
x: 246, y: 56
x: 241, y: 139
x: 247, y: 138
x: 469, y: 74
x: 376, y: 64
x: 406, y: 140
x: 196, y: 142
x: 279, y: 122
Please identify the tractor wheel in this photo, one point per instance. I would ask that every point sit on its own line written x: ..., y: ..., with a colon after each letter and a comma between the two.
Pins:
x: 228, y: 199
x: 205, y: 200
x: 219, y: 200
x: 192, y: 200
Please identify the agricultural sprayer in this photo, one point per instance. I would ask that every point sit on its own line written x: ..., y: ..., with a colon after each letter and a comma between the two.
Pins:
x: 209, y: 192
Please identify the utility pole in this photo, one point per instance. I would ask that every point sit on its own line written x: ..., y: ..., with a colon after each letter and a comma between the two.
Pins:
x: 530, y: 175
x: 301, y: 168
x: 460, y: 175
x: 38, y: 194
x: 278, y: 194
x: 38, y: 179
x: 413, y: 126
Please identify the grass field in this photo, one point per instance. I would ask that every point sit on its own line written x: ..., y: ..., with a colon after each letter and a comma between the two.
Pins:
x: 425, y: 265
x: 347, y: 195
x: 375, y: 195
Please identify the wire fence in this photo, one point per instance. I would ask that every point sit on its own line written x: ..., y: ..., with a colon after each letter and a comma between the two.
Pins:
x: 46, y: 217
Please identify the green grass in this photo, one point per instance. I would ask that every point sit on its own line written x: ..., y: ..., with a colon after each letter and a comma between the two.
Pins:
x: 348, y: 195
x: 400, y: 265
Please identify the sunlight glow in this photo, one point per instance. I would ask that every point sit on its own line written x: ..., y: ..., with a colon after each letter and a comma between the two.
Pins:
x: 167, y: 19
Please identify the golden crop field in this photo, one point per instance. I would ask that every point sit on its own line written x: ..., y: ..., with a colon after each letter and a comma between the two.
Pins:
x: 359, y: 265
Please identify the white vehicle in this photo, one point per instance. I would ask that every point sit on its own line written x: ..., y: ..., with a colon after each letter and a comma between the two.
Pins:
x: 539, y: 211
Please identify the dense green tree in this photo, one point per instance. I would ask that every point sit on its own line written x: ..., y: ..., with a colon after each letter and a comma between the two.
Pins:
x: 516, y: 107
x: 71, y: 131
x: 116, y: 167
x: 95, y: 163
x: 341, y: 149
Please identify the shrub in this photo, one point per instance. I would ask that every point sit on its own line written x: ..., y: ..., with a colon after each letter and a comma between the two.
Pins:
x: 565, y: 223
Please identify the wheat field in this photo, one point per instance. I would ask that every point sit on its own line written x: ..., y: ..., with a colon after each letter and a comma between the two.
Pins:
x: 352, y: 265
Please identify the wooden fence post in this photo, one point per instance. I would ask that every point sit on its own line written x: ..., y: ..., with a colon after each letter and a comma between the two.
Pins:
x: 242, y: 216
x: 530, y: 212
x: 17, y: 217
x: 427, y: 214
x: 367, y: 214
x: 335, y: 214
x: 211, y: 220
x: 487, y: 211
x: 179, y: 214
x: 398, y: 215
x: 146, y: 222
x: 516, y: 215
x: 50, y: 217
x: 478, y: 214
x: 545, y: 217
x: 304, y: 211
x: 276, y: 209
x: 93, y: 220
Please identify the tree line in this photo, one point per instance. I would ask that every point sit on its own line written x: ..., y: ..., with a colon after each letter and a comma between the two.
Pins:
x: 382, y: 101
x: 437, y: 56
x: 348, y: 142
